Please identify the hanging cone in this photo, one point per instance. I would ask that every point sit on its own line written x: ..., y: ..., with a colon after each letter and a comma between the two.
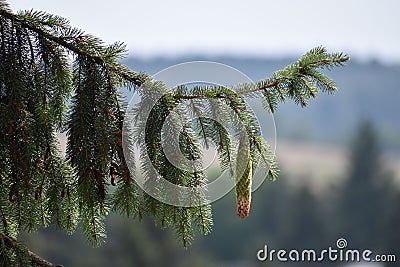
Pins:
x: 243, y: 184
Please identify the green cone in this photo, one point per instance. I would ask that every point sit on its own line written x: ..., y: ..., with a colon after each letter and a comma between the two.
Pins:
x: 243, y: 183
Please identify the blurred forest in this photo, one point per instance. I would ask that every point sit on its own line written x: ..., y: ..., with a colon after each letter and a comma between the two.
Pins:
x: 359, y: 203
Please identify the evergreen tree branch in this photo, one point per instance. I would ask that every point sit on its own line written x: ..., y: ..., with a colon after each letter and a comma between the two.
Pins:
x: 34, y: 259
x: 39, y: 187
x: 299, y: 81
x: 75, y: 45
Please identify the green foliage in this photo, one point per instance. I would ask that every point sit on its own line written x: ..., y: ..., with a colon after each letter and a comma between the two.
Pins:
x: 13, y: 253
x: 299, y: 81
x: 45, y: 64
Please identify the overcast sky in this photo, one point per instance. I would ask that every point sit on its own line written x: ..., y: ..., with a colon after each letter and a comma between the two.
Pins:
x: 362, y: 28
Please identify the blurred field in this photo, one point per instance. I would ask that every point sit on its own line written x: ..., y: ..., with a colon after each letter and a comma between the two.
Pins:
x: 312, y: 161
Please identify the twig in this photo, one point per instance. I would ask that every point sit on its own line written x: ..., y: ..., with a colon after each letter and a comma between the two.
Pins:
x: 35, y: 259
x: 70, y: 46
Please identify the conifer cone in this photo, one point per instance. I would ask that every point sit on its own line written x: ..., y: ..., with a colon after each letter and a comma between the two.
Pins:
x: 243, y: 183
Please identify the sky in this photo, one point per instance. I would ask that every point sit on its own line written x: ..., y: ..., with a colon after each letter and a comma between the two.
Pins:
x: 364, y: 29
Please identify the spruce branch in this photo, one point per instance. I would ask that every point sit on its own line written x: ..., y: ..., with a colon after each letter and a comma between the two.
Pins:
x: 45, y: 64
x: 298, y: 81
x: 77, y: 43
x: 10, y: 243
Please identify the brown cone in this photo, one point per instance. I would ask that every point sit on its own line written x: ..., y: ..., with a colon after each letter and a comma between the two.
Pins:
x: 243, y: 207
